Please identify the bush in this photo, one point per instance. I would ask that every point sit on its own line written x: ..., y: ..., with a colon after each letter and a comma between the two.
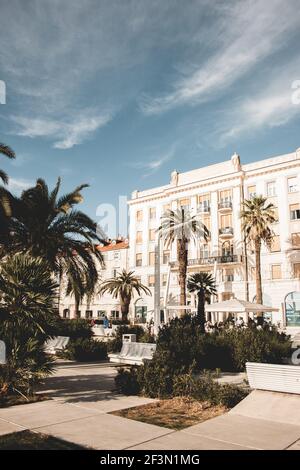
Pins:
x: 152, y: 382
x: 75, y: 328
x: 84, y: 350
x: 182, y: 344
x: 127, y: 381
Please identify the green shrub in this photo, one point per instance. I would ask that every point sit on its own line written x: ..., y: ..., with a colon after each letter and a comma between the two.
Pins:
x: 159, y: 383
x: 74, y: 328
x: 228, y: 350
x: 127, y: 381
x: 84, y: 350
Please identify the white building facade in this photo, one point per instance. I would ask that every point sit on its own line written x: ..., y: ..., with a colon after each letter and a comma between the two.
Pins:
x: 115, y: 256
x: 217, y: 192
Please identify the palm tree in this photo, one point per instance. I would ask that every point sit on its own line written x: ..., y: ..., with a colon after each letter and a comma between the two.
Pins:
x: 46, y: 225
x: 4, y: 205
x: 180, y: 226
x: 257, y: 216
x: 123, y: 286
x: 27, y: 317
x: 204, y: 285
x: 8, y: 152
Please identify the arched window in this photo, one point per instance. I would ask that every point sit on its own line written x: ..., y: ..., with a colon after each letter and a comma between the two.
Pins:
x: 227, y: 249
x: 66, y: 313
x: 292, y: 309
x: 140, y: 311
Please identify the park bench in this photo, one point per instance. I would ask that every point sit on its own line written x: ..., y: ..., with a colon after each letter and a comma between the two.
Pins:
x: 53, y: 345
x: 133, y: 353
x: 274, y: 377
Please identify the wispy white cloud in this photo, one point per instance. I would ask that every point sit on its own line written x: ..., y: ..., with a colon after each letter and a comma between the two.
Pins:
x: 152, y: 165
x: 266, y: 108
x: 250, y: 31
x: 63, y: 134
x: 17, y: 185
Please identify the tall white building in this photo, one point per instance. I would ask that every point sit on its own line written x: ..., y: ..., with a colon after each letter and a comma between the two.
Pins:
x: 218, y: 191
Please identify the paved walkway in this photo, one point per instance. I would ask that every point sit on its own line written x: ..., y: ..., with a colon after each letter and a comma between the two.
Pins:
x: 83, y: 396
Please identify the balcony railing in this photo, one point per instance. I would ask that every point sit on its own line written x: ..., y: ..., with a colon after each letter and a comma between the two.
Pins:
x: 204, y: 208
x: 210, y: 260
x: 226, y: 231
x: 225, y: 205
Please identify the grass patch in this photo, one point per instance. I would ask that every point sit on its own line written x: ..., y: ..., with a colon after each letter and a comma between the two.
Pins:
x: 27, y: 440
x: 174, y: 413
x: 12, y: 400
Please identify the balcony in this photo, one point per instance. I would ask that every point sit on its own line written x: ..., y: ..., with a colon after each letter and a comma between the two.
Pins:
x: 226, y: 232
x: 225, y: 206
x: 210, y: 260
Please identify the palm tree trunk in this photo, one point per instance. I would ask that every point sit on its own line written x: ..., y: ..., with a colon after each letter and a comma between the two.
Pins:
x: 76, y: 310
x: 258, y: 279
x: 201, y: 310
x: 124, y: 310
x: 182, y: 261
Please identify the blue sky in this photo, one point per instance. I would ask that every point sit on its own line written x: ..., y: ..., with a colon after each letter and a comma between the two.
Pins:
x: 119, y: 93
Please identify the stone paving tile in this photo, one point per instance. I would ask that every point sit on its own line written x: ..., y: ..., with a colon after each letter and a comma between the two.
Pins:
x: 104, y: 431
x: 249, y: 432
x: 42, y: 414
x: 7, y: 428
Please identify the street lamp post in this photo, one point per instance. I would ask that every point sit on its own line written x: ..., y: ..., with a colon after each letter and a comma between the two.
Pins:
x: 157, y: 284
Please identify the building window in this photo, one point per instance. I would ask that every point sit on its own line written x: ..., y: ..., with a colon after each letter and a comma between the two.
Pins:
x: 296, y: 240
x: 151, y: 280
x: 297, y: 270
x: 89, y: 314
x: 206, y: 222
x: 276, y: 271
x: 292, y: 309
x: 66, y: 313
x: 293, y: 184
x: 228, y: 275
x: 275, y: 244
x: 115, y: 314
x: 226, y: 221
x: 251, y: 191
x: 139, y: 216
x: 271, y: 189
x: 152, y: 213
x: 101, y: 313
x: 225, y: 196
x: 164, y: 280
x: 139, y: 237
x: 138, y: 259
x: 152, y: 234
x: 166, y: 208
x: 116, y: 255
x: 184, y: 204
x: 204, y: 251
x: 295, y: 211
x: 204, y: 203
x: 140, y: 314
x: 166, y: 256
x: 227, y: 249
x: 151, y: 258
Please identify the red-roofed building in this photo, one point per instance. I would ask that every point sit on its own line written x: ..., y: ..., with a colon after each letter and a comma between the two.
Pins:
x: 115, y: 254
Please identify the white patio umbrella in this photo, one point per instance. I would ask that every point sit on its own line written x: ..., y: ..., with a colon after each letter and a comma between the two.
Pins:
x: 238, y: 306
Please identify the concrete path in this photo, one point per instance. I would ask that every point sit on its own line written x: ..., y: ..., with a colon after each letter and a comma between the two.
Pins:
x: 82, y: 395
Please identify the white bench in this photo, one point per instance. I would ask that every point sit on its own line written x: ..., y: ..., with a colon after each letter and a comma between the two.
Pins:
x: 53, y: 345
x: 133, y: 353
x: 274, y: 377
